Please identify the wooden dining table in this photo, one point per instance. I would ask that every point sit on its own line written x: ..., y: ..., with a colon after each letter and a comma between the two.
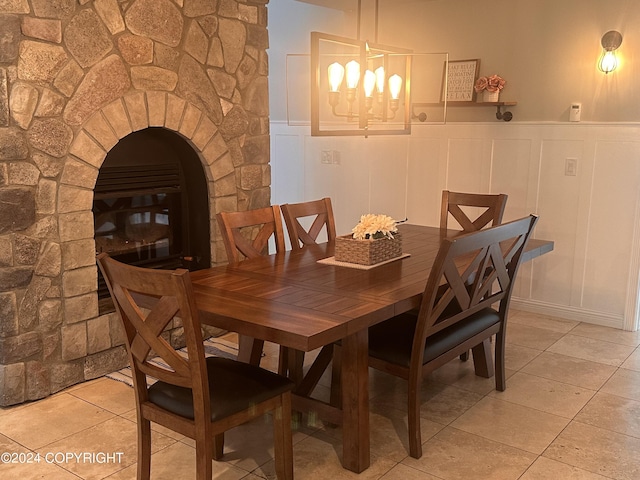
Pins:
x: 292, y: 300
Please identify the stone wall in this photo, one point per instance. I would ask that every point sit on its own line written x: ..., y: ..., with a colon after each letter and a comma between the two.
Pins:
x: 75, y: 77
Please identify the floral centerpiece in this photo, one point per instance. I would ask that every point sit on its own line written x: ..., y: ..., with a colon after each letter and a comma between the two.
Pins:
x: 373, y: 226
x: 374, y: 239
x: 491, y: 87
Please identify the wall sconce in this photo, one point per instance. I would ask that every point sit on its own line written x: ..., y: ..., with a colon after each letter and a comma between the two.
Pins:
x: 610, y: 42
x: 359, y: 88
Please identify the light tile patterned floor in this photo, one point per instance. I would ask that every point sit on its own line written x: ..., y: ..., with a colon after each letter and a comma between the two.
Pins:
x: 571, y: 411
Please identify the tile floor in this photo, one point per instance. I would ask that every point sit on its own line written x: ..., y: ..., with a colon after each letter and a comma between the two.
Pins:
x: 571, y: 411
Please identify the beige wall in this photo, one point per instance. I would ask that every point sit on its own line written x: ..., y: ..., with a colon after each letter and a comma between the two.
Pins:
x: 547, y: 50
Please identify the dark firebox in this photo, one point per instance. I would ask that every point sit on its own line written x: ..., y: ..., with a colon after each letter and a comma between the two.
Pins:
x: 150, y: 205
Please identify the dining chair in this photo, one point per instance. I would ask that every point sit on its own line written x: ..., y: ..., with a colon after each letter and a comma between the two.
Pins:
x: 490, y: 206
x: 322, y: 217
x: 246, y: 234
x: 471, y: 273
x: 318, y: 214
x: 195, y: 396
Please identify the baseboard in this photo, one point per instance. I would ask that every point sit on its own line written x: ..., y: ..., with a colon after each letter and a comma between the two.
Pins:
x: 569, y: 313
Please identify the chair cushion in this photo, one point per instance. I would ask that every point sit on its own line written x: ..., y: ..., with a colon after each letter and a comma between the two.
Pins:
x: 392, y: 340
x: 233, y: 386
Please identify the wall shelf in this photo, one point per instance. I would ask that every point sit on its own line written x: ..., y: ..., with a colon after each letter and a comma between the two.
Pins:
x: 500, y: 114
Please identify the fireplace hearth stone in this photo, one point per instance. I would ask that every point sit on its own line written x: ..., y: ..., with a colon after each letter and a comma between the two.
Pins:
x: 65, y: 102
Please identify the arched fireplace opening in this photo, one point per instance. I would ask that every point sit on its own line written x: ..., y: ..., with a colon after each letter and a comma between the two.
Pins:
x: 151, y: 205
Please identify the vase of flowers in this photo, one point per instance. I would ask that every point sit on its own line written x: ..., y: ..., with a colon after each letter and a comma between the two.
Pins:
x: 374, y: 239
x: 490, y: 87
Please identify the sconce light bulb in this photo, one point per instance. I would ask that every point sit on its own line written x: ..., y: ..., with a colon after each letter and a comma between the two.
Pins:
x: 608, y: 62
x: 336, y: 74
x: 395, y: 85
x: 369, y: 83
x: 353, y: 74
x: 380, y: 77
x: 610, y: 42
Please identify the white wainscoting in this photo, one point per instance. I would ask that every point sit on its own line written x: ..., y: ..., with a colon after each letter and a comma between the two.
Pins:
x: 593, y: 217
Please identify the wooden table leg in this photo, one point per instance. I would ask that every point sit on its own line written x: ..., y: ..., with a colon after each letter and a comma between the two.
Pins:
x: 249, y: 349
x: 355, y: 402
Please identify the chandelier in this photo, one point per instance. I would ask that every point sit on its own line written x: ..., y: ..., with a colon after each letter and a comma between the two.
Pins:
x: 359, y: 88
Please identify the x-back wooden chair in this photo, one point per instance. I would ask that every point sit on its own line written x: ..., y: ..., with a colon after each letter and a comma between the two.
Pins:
x: 471, y: 273
x: 318, y: 214
x: 197, y: 397
x: 246, y: 234
x: 322, y: 214
x: 490, y: 206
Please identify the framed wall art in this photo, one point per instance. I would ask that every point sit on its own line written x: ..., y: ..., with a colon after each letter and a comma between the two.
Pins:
x: 459, y: 79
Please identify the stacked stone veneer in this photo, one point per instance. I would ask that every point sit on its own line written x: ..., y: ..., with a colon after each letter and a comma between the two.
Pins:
x: 75, y: 77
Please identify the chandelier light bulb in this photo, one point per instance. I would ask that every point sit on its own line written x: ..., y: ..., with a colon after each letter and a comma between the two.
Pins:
x: 336, y: 75
x: 353, y: 74
x: 369, y: 83
x: 395, y: 86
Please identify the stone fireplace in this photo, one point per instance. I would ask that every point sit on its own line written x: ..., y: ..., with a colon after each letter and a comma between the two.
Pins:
x: 77, y: 77
x: 151, y: 205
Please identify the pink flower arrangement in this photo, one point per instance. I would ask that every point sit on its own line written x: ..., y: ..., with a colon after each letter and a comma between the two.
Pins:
x: 493, y: 83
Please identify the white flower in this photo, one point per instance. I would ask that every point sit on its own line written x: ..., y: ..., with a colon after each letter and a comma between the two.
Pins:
x: 374, y: 226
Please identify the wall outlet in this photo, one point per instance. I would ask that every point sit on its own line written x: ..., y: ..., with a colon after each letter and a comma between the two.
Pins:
x: 571, y: 167
x: 329, y: 157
